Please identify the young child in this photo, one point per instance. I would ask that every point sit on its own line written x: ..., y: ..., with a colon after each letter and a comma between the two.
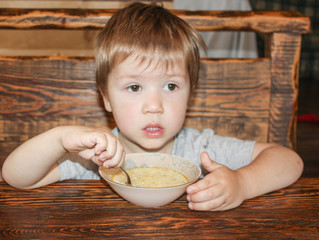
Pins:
x: 147, y: 63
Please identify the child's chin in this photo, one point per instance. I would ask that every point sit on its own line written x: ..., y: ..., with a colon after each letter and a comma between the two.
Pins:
x: 154, y: 145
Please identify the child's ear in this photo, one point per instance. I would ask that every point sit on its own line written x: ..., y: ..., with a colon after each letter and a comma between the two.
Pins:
x: 106, y: 101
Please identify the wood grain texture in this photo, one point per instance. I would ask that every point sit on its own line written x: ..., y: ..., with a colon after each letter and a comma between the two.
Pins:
x: 285, y: 55
x: 246, y: 98
x: 91, y: 210
x: 233, y: 98
x: 259, y: 21
x: 41, y: 93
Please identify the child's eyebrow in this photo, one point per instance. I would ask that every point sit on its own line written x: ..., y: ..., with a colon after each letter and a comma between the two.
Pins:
x: 140, y: 75
x: 130, y: 76
x: 176, y: 75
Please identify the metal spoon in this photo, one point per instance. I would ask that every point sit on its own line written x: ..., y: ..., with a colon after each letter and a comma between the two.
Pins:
x: 128, y: 179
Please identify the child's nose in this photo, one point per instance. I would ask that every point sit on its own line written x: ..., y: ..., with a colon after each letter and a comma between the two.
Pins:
x: 153, y: 104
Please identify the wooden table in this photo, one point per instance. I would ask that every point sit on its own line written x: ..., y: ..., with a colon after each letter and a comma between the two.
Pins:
x: 91, y: 210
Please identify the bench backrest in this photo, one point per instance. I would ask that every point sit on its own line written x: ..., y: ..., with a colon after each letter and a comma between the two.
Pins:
x: 245, y: 98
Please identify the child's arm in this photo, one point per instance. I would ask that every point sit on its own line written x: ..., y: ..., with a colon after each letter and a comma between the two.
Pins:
x: 34, y: 163
x: 273, y: 167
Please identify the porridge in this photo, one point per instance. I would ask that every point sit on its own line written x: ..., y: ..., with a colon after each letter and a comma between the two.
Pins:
x: 152, y: 177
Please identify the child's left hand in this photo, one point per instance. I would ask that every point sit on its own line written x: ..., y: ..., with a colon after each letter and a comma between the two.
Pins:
x: 221, y: 189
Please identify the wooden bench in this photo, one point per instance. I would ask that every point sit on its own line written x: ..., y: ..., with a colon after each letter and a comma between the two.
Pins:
x: 245, y: 98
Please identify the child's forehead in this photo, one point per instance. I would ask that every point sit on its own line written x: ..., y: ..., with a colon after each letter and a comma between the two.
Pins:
x: 154, y: 61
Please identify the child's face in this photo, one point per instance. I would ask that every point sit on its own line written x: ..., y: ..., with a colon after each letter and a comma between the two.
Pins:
x: 148, y: 103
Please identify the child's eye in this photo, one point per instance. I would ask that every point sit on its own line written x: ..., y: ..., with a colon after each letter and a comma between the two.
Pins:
x: 171, y: 87
x: 134, y: 88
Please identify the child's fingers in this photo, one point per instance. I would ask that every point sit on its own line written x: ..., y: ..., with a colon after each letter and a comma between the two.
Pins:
x: 88, y: 154
x: 205, y: 183
x: 211, y: 205
x: 120, y: 160
x: 208, y: 163
x: 117, y: 159
x: 107, y: 148
x: 217, y: 204
x: 102, y: 142
x: 112, y: 149
x: 206, y: 195
x: 102, y: 148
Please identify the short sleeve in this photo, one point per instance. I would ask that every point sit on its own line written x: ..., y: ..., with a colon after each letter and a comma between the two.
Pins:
x: 231, y: 152
x: 72, y: 166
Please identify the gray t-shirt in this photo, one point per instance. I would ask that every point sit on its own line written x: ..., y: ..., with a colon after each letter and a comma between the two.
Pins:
x: 189, y: 143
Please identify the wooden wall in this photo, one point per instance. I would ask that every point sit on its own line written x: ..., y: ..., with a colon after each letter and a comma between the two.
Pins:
x: 55, y: 42
x: 245, y: 98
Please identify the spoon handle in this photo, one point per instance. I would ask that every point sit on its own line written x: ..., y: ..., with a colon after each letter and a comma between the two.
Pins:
x: 128, y: 179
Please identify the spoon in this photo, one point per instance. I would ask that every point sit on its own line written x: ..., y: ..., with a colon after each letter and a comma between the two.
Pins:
x: 128, y: 179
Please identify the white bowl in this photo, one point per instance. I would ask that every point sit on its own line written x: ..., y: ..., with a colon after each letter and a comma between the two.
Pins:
x: 153, y: 197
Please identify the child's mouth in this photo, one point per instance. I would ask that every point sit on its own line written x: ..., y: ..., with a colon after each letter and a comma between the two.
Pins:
x: 153, y: 131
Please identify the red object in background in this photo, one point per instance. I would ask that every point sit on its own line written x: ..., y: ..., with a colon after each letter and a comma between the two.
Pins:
x: 309, y: 117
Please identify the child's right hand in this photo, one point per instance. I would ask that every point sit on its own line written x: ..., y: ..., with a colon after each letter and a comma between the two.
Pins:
x: 96, y: 144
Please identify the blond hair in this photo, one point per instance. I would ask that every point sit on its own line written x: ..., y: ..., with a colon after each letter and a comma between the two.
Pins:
x: 147, y: 30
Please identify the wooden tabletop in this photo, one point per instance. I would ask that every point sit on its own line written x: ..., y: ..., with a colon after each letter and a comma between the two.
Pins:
x: 91, y: 210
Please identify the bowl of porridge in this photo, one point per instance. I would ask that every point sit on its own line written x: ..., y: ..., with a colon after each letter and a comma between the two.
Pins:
x: 157, y: 179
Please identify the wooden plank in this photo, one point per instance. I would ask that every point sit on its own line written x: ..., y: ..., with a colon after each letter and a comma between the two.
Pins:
x: 259, y: 21
x: 240, y: 127
x: 233, y: 98
x: 245, y: 83
x: 30, y: 86
x: 40, y: 93
x: 285, y: 55
x: 49, y: 87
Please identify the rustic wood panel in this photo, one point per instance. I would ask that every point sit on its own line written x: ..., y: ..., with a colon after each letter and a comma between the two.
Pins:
x: 37, y: 94
x: 38, y: 86
x: 251, y: 99
x: 259, y: 21
x: 285, y: 55
x: 91, y: 210
x: 49, y: 87
x: 233, y: 97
